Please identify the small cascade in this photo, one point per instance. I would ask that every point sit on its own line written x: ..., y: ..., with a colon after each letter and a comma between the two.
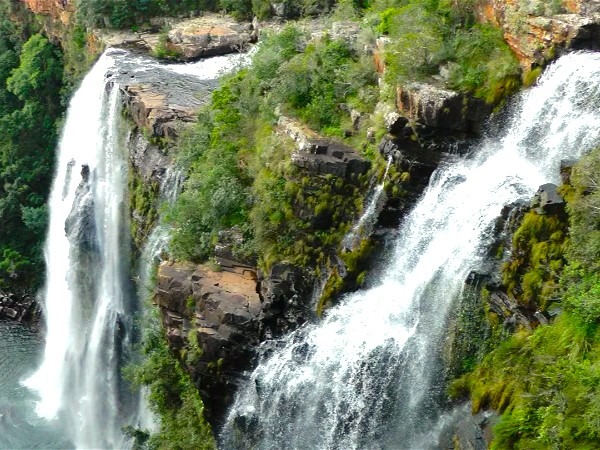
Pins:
x: 366, y: 222
x: 157, y: 244
x: 370, y: 374
x: 152, y: 254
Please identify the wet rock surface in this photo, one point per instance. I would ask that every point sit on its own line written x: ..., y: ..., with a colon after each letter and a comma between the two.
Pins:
x: 20, y: 308
x: 158, y: 98
x: 226, y: 314
x: 148, y: 159
x: 548, y: 200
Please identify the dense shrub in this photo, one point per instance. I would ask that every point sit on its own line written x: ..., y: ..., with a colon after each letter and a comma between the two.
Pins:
x: 428, y: 34
x: 172, y: 396
x: 30, y: 83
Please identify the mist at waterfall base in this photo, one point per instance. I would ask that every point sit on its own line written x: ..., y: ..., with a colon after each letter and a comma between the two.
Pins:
x: 20, y: 426
x: 90, y: 297
x: 370, y: 374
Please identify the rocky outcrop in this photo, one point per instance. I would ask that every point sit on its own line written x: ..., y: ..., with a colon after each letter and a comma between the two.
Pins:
x: 440, y: 108
x: 157, y: 99
x: 548, y: 200
x: 538, y: 34
x: 218, y: 318
x: 147, y: 158
x: 322, y: 156
x: 59, y: 10
x: 189, y: 39
x: 210, y: 35
x: 150, y: 109
x: 20, y: 308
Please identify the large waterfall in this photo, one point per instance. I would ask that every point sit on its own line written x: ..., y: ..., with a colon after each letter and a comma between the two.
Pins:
x: 87, y: 260
x: 368, y: 375
x: 90, y: 294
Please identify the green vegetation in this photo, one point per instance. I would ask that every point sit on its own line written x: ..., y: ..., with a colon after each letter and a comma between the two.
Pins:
x: 545, y: 382
x: 428, y: 34
x: 30, y: 82
x: 240, y: 171
x: 537, y: 259
x: 143, y: 205
x: 131, y: 13
x: 173, y: 397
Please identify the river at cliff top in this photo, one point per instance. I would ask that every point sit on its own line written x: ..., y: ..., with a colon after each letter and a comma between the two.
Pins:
x: 20, y: 426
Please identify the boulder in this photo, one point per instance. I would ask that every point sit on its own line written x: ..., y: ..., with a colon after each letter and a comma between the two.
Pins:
x: 20, y: 308
x: 188, y: 39
x: 441, y: 108
x: 548, y: 200
x: 210, y: 35
x: 322, y: 156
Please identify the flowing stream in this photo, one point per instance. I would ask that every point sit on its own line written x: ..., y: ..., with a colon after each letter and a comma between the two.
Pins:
x: 366, y: 222
x: 369, y: 374
x: 90, y: 294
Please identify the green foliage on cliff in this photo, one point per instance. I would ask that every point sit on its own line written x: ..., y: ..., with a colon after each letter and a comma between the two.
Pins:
x: 173, y: 398
x: 428, y: 34
x: 130, y: 13
x: 539, y: 244
x: 545, y: 382
x: 240, y: 171
x: 30, y: 83
x: 216, y: 193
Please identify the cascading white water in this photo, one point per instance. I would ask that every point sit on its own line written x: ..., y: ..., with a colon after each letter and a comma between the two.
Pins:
x: 89, y: 295
x: 367, y: 220
x: 87, y: 256
x: 154, y: 249
x: 368, y: 375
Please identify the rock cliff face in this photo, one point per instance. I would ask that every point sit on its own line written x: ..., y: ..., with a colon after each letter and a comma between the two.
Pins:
x: 215, y: 320
x: 322, y: 156
x: 538, y: 32
x: 60, y: 10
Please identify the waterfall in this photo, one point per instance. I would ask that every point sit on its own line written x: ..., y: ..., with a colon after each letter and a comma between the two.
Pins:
x: 157, y: 243
x: 154, y: 249
x: 366, y: 222
x: 369, y: 374
x: 88, y: 295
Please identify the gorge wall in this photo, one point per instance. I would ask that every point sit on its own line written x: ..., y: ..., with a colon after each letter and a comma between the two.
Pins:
x: 216, y: 315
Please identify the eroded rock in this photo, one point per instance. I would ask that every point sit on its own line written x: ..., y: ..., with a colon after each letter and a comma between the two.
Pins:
x: 538, y: 36
x: 188, y: 39
x: 210, y: 35
x: 441, y: 108
x: 548, y: 200
x: 228, y: 313
x: 322, y: 156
